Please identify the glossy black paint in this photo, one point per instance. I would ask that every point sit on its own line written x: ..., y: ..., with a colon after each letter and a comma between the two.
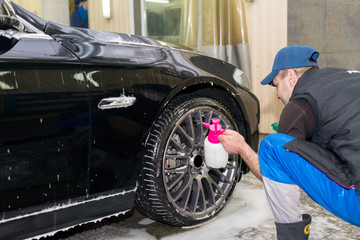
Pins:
x: 57, y: 148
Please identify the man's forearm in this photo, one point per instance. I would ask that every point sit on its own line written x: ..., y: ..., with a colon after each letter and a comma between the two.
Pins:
x: 234, y: 143
x: 251, y: 159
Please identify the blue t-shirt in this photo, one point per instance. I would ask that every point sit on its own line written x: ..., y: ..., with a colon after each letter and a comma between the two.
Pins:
x: 79, y: 18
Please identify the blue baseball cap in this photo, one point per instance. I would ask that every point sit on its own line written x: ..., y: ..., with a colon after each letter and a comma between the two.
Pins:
x: 294, y: 56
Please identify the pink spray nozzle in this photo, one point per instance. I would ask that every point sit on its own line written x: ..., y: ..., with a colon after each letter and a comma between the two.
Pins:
x: 214, y: 130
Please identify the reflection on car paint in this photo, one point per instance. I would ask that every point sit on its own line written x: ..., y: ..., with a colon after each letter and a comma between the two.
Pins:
x: 6, y: 86
x: 89, y: 77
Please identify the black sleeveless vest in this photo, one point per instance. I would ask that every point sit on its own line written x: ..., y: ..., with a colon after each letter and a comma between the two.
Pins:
x: 334, y: 146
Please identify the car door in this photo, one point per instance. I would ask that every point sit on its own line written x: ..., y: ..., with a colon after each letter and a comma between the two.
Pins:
x: 125, y: 94
x: 123, y: 100
x: 44, y: 124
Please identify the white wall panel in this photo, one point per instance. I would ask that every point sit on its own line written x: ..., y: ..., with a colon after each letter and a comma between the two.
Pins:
x: 34, y: 6
x: 267, y: 29
x: 120, y: 16
x: 57, y: 11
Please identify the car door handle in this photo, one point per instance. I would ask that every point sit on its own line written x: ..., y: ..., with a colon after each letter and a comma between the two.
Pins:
x: 116, y: 102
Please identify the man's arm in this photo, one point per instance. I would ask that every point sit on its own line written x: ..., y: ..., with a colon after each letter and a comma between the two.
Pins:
x: 234, y: 143
x: 296, y: 120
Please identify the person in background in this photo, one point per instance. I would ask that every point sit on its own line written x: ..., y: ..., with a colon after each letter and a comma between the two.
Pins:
x: 317, y: 147
x: 79, y: 17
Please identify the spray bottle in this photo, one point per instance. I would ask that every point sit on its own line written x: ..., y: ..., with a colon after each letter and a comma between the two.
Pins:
x: 215, y: 154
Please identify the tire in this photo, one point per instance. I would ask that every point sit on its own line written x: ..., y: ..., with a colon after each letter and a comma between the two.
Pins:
x: 176, y: 187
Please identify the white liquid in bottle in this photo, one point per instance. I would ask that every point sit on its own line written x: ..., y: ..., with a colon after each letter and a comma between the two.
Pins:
x: 215, y: 154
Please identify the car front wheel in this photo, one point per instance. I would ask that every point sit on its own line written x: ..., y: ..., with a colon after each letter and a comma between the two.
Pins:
x: 176, y: 186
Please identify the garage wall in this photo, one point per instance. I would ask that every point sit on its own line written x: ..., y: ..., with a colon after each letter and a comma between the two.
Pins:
x: 53, y: 10
x: 331, y: 27
x: 62, y: 13
x: 121, y: 16
x: 34, y: 6
x: 267, y: 31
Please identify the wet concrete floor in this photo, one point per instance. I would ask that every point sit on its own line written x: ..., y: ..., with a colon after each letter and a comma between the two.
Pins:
x: 247, y: 216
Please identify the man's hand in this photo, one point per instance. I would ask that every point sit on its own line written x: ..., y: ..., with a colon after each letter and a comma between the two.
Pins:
x: 234, y: 143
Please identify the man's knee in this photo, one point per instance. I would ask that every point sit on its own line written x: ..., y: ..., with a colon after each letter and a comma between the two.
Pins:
x: 271, y: 155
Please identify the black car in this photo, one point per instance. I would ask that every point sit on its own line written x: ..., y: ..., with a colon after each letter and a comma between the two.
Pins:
x: 92, y: 122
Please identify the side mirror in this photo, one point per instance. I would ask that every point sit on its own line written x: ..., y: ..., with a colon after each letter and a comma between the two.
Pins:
x: 8, y: 17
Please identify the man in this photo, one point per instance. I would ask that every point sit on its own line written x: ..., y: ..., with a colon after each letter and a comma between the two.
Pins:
x: 318, y: 144
x: 79, y: 17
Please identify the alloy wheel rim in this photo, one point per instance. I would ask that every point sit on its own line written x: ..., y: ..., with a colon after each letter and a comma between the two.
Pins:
x: 192, y: 187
